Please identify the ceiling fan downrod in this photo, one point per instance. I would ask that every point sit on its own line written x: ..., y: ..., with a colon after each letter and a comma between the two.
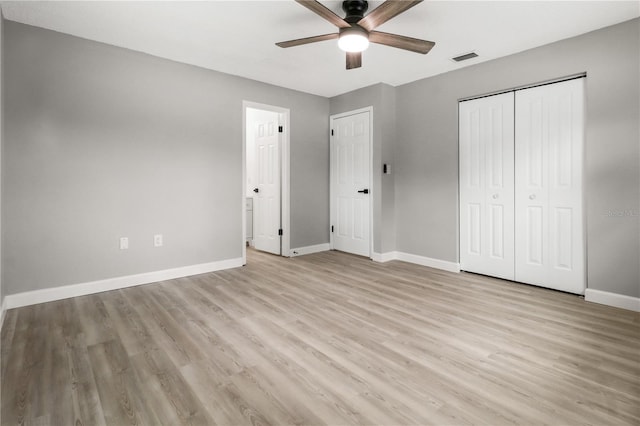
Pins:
x: 355, y: 10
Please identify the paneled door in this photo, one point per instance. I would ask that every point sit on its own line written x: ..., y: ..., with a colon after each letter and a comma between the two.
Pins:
x: 548, y: 162
x: 487, y: 185
x: 350, y: 180
x: 266, y: 204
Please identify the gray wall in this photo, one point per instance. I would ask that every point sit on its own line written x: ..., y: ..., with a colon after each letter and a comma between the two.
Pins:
x: 427, y: 149
x: 382, y: 98
x: 1, y: 145
x: 102, y: 142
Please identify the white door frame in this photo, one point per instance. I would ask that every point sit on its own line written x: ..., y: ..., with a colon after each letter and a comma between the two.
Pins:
x: 372, y: 190
x: 284, y: 118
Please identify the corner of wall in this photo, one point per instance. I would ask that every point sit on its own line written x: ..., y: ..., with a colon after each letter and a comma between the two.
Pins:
x: 2, y: 301
x: 388, y: 208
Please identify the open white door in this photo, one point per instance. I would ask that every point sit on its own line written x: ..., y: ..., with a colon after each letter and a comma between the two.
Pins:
x: 266, y: 197
x: 350, y: 182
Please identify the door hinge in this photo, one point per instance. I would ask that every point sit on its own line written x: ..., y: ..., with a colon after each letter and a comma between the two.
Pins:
x: 280, y: 129
x: 331, y: 228
x: 279, y: 231
x: 331, y: 132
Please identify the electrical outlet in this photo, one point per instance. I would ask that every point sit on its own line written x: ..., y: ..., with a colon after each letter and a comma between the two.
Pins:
x: 157, y: 240
x: 124, y: 243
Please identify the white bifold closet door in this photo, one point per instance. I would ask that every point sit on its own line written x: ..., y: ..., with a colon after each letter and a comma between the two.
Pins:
x: 487, y: 186
x: 521, y: 186
x: 549, y: 141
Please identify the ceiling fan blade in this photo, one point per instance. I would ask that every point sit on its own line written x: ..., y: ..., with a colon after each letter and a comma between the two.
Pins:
x: 401, y: 42
x: 324, y: 12
x: 354, y: 60
x: 386, y: 11
x: 307, y: 40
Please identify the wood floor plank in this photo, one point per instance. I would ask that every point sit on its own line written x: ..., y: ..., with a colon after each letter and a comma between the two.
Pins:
x: 328, y: 338
x: 131, y: 331
x: 87, y: 407
x: 22, y: 387
x: 97, y: 326
x: 123, y: 398
x: 6, y: 337
x: 165, y: 326
x: 174, y: 399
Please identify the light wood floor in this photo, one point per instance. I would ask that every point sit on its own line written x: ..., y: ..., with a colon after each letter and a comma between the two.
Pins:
x: 327, y: 338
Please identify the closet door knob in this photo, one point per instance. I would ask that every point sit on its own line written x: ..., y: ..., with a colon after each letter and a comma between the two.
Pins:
x: 495, y: 196
x: 532, y: 196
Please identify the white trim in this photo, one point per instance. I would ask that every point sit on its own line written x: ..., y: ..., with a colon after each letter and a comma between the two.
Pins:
x: 3, y: 311
x: 83, y: 289
x: 333, y: 117
x: 285, y: 190
x: 418, y: 260
x: 243, y: 208
x: 285, y: 171
x: 384, y: 257
x: 430, y: 262
x: 526, y: 86
x: 612, y: 299
x: 300, y: 251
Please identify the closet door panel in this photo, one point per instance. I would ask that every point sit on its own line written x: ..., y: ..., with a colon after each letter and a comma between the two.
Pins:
x: 531, y: 173
x: 486, y: 186
x: 548, y: 204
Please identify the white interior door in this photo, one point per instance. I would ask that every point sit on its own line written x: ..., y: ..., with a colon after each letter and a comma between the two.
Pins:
x: 548, y: 156
x: 487, y: 186
x: 266, y: 198
x: 350, y: 183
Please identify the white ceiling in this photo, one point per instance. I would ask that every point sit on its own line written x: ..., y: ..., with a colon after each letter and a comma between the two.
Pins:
x: 238, y: 37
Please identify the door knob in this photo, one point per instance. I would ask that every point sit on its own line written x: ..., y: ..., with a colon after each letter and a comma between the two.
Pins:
x: 532, y: 196
x: 495, y: 196
x: 364, y: 191
x: 256, y: 190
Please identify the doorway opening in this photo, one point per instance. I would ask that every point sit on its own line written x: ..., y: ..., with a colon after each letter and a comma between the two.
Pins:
x: 265, y: 187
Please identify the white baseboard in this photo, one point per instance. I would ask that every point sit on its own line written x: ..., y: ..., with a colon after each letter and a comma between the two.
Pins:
x: 83, y: 289
x: 3, y: 311
x: 384, y: 257
x: 309, y: 249
x: 418, y: 260
x: 612, y: 299
x: 427, y: 261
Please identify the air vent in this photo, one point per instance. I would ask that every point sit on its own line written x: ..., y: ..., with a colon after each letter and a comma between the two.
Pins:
x: 464, y: 57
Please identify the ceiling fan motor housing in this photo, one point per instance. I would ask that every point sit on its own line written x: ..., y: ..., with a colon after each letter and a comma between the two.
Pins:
x: 355, y: 10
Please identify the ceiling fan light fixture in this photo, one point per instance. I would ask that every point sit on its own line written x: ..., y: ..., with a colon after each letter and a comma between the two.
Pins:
x: 353, y: 39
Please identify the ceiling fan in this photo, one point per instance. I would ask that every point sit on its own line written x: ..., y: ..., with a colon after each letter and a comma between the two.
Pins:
x: 356, y: 30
